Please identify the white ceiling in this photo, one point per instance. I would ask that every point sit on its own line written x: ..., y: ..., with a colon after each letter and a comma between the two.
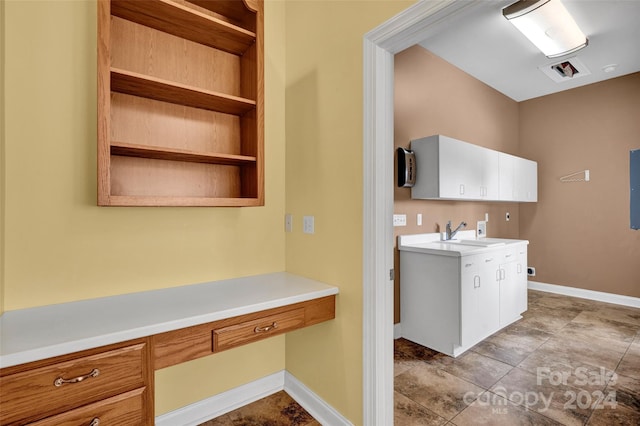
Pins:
x: 481, y: 42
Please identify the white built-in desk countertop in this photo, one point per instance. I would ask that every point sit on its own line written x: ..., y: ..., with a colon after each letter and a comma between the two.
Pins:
x: 43, y: 332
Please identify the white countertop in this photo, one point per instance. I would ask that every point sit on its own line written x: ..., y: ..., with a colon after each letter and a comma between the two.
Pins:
x: 38, y: 333
x: 432, y: 244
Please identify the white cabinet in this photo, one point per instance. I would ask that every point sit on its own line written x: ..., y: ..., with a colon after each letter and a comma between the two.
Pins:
x: 480, y: 298
x: 450, y: 301
x: 518, y: 178
x: 455, y: 170
x: 450, y: 169
x: 512, y: 275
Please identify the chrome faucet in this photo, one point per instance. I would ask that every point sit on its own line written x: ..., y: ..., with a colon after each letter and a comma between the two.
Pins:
x: 450, y: 234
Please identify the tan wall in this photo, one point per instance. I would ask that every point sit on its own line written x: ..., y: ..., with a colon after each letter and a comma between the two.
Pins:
x: 434, y: 97
x: 579, y: 232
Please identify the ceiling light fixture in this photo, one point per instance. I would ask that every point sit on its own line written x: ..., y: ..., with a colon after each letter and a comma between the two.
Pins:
x: 548, y: 25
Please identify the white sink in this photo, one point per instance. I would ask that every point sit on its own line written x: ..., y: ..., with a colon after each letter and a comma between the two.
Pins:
x: 480, y: 243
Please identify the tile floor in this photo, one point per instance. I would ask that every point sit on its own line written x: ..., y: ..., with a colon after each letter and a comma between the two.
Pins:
x: 278, y: 409
x: 567, y: 362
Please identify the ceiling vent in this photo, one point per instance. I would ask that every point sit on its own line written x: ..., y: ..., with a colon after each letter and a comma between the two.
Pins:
x: 566, y: 70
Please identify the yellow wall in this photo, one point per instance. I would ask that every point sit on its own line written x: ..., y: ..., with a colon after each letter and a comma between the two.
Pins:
x: 61, y: 247
x: 2, y: 162
x: 324, y: 179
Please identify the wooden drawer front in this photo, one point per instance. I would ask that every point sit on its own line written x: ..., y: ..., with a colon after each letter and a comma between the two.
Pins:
x: 123, y: 409
x: 251, y: 331
x: 32, y: 394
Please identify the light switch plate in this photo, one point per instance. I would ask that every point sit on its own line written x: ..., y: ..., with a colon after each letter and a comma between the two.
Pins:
x: 288, y: 222
x: 308, y: 224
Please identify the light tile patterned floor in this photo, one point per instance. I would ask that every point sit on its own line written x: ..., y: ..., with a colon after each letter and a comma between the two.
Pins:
x: 569, y: 361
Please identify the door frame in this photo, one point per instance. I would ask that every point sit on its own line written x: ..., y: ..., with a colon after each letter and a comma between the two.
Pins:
x: 379, y: 47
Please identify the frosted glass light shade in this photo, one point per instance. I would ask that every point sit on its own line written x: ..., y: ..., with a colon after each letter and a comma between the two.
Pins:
x: 548, y: 25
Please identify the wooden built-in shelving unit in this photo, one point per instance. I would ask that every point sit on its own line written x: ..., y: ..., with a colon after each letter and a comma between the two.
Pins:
x: 180, y: 103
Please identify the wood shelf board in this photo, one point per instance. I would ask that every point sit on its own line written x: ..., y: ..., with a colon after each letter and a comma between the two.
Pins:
x: 149, y: 201
x: 173, y: 154
x: 179, y: 20
x: 136, y: 84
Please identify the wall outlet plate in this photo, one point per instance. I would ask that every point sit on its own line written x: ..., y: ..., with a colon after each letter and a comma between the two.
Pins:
x: 481, y: 229
x: 399, y: 220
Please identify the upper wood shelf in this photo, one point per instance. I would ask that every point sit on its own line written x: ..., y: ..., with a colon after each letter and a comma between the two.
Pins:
x: 181, y: 21
x: 145, y: 86
x: 174, y: 154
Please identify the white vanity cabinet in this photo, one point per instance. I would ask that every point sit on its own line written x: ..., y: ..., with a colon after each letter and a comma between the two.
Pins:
x: 451, y: 169
x: 452, y: 296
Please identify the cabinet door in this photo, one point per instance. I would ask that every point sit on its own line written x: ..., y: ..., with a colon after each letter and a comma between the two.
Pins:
x: 526, y: 180
x: 480, y: 298
x: 513, y: 285
x: 469, y: 300
x: 461, y: 169
x: 490, y: 187
x: 489, y: 295
x: 506, y: 164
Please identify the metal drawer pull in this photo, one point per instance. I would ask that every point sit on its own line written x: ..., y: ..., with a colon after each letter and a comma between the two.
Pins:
x: 266, y: 328
x: 95, y: 422
x: 60, y: 381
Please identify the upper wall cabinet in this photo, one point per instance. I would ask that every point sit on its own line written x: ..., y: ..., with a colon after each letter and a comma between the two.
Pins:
x: 180, y: 103
x: 449, y: 169
x: 518, y: 178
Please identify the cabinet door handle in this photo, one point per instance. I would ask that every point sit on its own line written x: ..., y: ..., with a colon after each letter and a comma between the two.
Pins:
x: 508, y: 255
x: 466, y: 265
x: 60, y: 381
x: 95, y: 422
x: 503, y: 274
x: 497, y: 274
x: 476, y: 281
x: 519, y: 268
x: 489, y: 260
x: 266, y: 328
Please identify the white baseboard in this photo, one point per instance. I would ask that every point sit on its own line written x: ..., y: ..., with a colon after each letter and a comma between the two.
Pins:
x: 207, y: 409
x: 600, y: 296
x: 310, y: 401
x: 397, y: 330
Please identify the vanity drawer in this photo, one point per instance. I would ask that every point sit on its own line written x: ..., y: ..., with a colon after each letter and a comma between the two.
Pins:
x: 123, y: 409
x: 57, y: 387
x: 254, y: 330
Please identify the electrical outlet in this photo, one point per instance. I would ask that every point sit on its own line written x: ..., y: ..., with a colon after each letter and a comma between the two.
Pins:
x: 531, y: 271
x: 308, y: 224
x: 399, y: 220
x: 481, y: 228
x: 288, y: 222
x: 507, y: 217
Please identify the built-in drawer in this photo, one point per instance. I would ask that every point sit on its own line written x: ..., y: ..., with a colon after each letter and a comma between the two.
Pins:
x: 57, y: 387
x: 123, y: 409
x: 186, y: 344
x: 251, y: 331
